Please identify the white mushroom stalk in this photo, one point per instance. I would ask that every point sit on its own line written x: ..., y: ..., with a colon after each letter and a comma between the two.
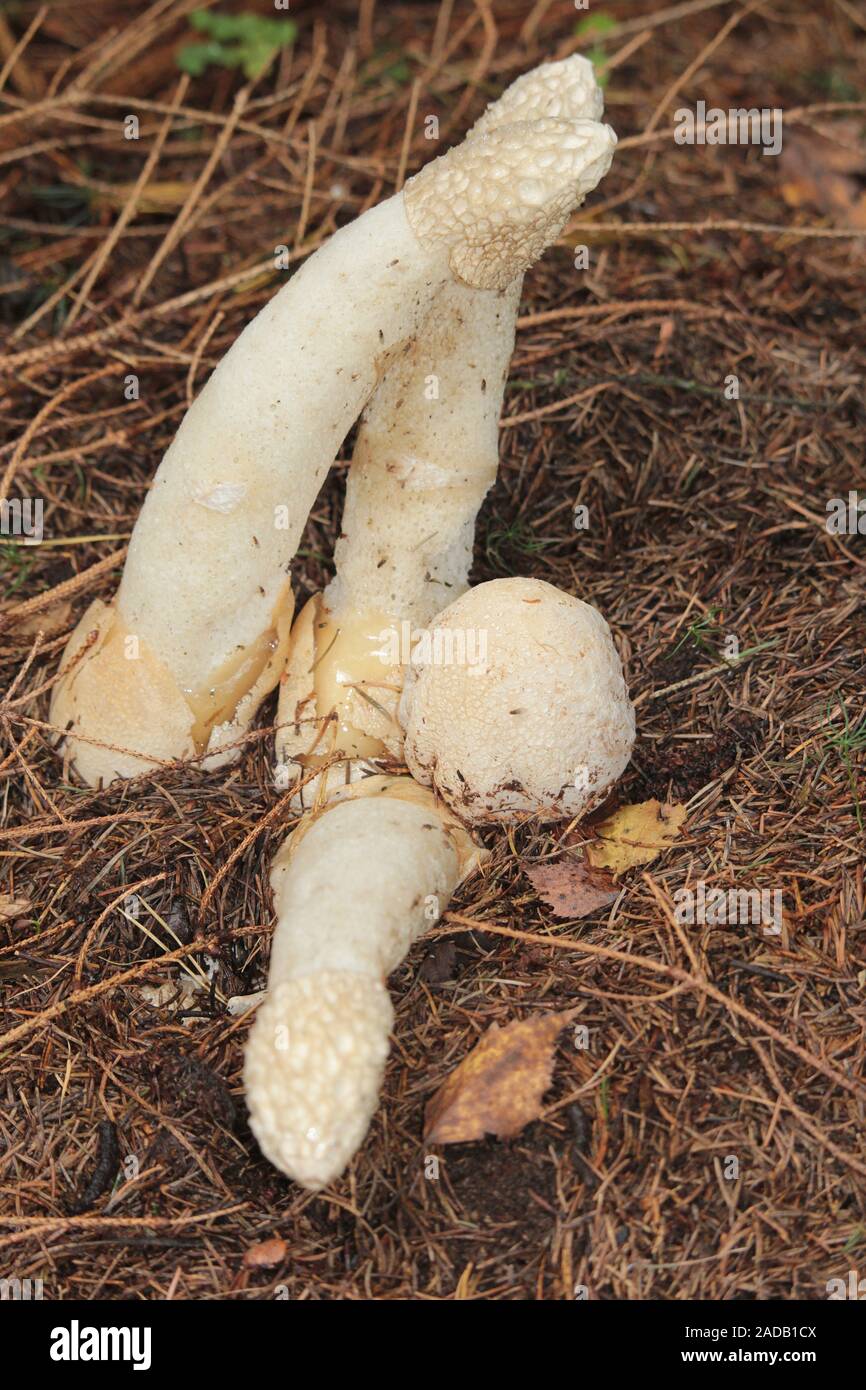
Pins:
x: 177, y: 665
x: 539, y: 724
x: 353, y: 887
x: 428, y: 446
x: 426, y: 455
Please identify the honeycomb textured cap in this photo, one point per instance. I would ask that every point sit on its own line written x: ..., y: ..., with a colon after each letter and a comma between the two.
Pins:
x: 499, y: 199
x: 564, y: 91
x: 313, y: 1071
x: 540, y: 724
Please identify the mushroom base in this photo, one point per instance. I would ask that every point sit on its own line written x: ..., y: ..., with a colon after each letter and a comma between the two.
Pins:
x: 119, y: 710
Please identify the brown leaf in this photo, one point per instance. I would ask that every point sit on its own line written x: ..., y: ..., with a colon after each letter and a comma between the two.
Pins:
x: 440, y: 964
x: 635, y: 835
x: 155, y: 198
x: 571, y: 888
x: 265, y: 1254
x: 14, y: 907
x: 49, y: 621
x: 843, y: 153
x: 498, y: 1088
x: 818, y: 173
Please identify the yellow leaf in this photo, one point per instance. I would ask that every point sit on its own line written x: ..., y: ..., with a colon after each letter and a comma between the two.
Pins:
x: 498, y: 1088
x: 157, y: 197
x: 635, y: 835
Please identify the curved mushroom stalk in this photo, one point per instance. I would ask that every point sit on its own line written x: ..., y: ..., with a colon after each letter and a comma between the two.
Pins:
x: 353, y: 887
x: 178, y: 664
x: 425, y: 457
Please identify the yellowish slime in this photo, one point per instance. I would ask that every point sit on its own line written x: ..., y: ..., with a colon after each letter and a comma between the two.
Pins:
x: 351, y: 664
x: 216, y: 701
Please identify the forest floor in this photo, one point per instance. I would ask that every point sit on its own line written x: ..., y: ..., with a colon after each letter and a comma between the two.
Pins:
x: 709, y: 1141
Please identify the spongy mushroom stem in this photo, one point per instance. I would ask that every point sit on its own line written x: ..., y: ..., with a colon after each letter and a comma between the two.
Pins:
x: 353, y: 888
x: 427, y: 449
x: 426, y: 455
x: 179, y: 663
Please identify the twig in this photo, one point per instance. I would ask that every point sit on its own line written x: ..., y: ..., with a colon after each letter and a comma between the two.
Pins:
x: 130, y: 207
x: 62, y: 591
x: 661, y: 968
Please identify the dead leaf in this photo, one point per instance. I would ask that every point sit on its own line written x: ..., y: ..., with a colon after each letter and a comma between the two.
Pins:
x: 14, y: 907
x: 571, y: 888
x: 843, y: 153
x: 635, y: 835
x: 498, y: 1088
x: 50, y: 621
x: 266, y: 1254
x: 16, y: 970
x: 819, y: 173
x: 440, y: 964
x: 155, y: 198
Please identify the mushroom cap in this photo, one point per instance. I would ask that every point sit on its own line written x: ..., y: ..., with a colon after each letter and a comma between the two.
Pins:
x: 563, y: 91
x: 313, y: 1071
x: 521, y: 707
x: 498, y: 200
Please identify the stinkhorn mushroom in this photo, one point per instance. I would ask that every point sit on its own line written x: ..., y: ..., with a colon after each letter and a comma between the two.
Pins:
x: 354, y: 886
x: 428, y: 445
x: 538, y: 724
x: 426, y: 454
x: 177, y: 665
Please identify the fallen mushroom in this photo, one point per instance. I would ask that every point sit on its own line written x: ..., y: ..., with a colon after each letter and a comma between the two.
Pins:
x: 426, y: 454
x: 540, y: 725
x: 353, y: 886
x: 177, y: 665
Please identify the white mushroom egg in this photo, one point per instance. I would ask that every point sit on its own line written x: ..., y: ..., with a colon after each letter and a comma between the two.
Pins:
x: 535, y: 720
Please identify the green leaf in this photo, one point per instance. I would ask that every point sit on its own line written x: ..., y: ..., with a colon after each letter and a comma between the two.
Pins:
x: 598, y: 58
x: 600, y: 23
x: 194, y: 58
x: 220, y: 26
x: 248, y: 41
x: 256, y: 56
x: 399, y: 71
x: 253, y: 28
